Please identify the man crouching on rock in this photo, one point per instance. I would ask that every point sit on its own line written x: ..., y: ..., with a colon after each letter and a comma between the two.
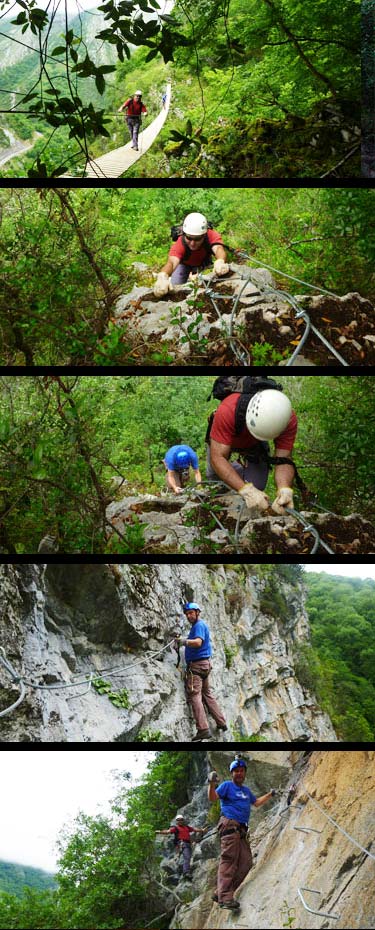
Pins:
x: 236, y: 859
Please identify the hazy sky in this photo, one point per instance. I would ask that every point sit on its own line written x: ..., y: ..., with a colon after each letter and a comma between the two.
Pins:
x: 43, y: 790
x: 350, y: 571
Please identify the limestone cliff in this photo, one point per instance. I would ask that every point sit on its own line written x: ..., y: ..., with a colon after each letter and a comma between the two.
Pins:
x: 72, y: 623
x: 211, y: 519
x: 245, y: 319
x: 293, y: 848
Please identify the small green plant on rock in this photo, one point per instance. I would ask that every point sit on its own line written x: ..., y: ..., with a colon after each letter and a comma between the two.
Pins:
x: 118, y: 698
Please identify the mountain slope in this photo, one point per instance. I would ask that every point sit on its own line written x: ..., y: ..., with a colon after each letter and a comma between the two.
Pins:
x: 14, y: 877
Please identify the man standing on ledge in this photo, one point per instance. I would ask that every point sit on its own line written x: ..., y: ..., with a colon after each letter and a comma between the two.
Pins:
x: 236, y: 859
x: 198, y: 652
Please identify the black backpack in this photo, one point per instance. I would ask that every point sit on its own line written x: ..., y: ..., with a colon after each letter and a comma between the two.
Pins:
x: 246, y: 386
x: 177, y: 232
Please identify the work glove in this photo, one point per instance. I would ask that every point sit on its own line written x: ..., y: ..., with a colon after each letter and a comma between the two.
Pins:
x: 221, y: 267
x: 284, y: 499
x: 273, y: 792
x: 180, y: 640
x: 254, y: 498
x: 213, y: 777
x: 162, y: 284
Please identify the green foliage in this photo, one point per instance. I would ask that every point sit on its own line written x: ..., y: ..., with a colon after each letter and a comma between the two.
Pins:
x: 15, y: 878
x: 288, y: 915
x: 230, y: 653
x: 336, y: 433
x: 251, y: 80
x: 35, y: 911
x: 308, y: 669
x: 63, y: 438
x: 272, y: 599
x: 249, y: 739
x: 149, y: 736
x: 292, y: 572
x: 65, y: 259
x: 118, y: 698
x: 264, y: 354
x: 105, y: 877
x: 341, y: 661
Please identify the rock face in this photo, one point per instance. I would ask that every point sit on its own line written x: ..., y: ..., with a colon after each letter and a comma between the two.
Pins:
x: 242, y: 318
x: 209, y: 520
x: 294, y: 848
x: 65, y: 623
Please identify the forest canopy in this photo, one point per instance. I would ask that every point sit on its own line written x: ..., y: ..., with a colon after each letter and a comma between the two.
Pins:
x: 341, y: 659
x: 262, y: 88
x: 103, y: 874
x: 64, y: 438
x: 67, y: 255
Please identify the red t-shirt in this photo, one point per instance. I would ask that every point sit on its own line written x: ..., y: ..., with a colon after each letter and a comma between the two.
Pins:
x: 183, y: 833
x: 196, y: 258
x: 223, y: 428
x: 134, y: 107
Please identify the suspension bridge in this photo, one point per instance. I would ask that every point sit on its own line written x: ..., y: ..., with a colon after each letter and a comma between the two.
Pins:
x: 113, y: 164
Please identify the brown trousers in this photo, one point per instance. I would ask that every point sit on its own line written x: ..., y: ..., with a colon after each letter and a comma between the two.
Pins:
x: 199, y: 695
x: 235, y: 861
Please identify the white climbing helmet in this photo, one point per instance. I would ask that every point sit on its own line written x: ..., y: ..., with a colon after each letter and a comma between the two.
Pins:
x: 268, y: 414
x: 195, y: 224
x: 138, y: 93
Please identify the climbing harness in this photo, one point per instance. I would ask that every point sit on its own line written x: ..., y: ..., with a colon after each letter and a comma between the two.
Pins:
x: 241, y: 353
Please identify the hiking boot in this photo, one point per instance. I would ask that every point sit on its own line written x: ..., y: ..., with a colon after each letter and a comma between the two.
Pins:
x: 202, y: 734
x: 231, y: 906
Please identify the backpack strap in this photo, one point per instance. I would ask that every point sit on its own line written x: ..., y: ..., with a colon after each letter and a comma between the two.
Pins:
x: 275, y: 460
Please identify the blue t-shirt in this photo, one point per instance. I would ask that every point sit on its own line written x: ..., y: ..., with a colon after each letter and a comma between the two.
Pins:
x: 235, y: 801
x: 170, y: 458
x: 205, y: 651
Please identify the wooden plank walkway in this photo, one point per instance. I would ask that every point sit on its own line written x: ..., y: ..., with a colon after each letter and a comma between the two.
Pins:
x: 114, y: 164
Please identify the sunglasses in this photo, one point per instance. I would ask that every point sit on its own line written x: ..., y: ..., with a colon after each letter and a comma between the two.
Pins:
x: 193, y: 238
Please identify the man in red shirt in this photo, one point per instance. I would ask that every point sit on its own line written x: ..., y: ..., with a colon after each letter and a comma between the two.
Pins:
x: 182, y: 834
x: 192, y: 251
x: 269, y: 416
x: 134, y: 108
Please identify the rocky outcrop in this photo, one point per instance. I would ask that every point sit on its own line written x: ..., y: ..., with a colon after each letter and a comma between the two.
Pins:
x: 208, y: 521
x: 294, y: 848
x: 69, y: 623
x: 243, y: 319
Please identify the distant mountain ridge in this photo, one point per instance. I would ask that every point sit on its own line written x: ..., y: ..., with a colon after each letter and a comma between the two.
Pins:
x: 14, y: 877
x: 89, y: 23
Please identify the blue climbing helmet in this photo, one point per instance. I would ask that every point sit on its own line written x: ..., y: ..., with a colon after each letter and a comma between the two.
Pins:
x: 238, y: 764
x: 182, y: 459
x: 191, y: 605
